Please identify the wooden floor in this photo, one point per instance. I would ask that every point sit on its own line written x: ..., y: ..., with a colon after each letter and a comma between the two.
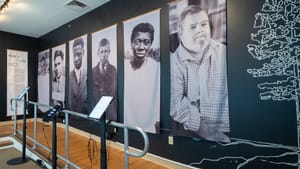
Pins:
x: 78, y: 148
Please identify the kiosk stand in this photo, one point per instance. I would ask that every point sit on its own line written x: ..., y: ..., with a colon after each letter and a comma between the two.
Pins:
x: 103, y: 158
x: 96, y: 114
x: 99, y: 113
x: 52, y: 116
x: 23, y: 159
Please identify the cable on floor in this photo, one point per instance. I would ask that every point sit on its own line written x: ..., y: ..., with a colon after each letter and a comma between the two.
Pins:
x: 92, y: 151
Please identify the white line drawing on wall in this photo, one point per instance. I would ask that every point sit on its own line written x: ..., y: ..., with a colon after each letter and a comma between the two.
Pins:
x: 276, y: 44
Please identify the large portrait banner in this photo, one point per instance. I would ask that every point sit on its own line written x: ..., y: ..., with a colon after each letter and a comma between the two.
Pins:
x: 78, y: 75
x: 199, y: 96
x: 142, y: 71
x: 104, y: 68
x: 43, y: 79
x: 58, y: 75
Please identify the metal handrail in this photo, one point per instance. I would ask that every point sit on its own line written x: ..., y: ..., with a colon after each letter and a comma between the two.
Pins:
x: 49, y: 150
x: 127, y: 153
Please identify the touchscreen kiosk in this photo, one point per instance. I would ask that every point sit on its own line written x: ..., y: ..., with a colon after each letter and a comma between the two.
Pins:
x: 52, y: 113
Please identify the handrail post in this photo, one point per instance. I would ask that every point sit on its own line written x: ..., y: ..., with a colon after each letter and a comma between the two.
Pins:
x: 103, y: 157
x: 24, y: 128
x: 54, y: 143
x: 127, y: 153
x: 146, y: 143
x: 15, y: 116
x: 126, y: 142
x: 34, y: 129
x: 67, y: 138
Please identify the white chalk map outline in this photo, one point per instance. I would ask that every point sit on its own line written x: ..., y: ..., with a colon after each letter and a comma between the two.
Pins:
x: 278, y: 41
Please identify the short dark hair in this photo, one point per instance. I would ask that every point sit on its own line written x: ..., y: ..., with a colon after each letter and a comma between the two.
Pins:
x: 78, y: 41
x: 191, y: 9
x: 104, y: 42
x: 143, y: 27
x: 58, y: 53
x: 42, y: 58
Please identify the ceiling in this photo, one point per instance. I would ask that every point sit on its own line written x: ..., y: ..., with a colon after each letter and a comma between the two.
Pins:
x: 35, y: 18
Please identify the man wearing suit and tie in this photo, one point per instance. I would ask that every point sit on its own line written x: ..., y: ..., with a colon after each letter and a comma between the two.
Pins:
x: 105, y: 79
x: 78, y: 80
x: 58, y: 81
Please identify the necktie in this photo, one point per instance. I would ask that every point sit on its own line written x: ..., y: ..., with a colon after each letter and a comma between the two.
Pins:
x: 78, y: 77
x: 103, y: 68
x: 58, y: 85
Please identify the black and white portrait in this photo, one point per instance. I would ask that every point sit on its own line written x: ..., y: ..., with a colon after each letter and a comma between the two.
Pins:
x: 104, y: 68
x: 199, y: 96
x: 78, y: 75
x: 142, y: 72
x: 58, y: 75
x: 43, y: 79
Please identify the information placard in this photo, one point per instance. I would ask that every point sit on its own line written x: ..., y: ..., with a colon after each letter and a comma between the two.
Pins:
x: 100, y: 107
x: 17, y: 75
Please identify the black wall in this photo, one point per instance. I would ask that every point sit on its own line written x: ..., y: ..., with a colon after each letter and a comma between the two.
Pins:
x: 23, y: 43
x: 251, y: 119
